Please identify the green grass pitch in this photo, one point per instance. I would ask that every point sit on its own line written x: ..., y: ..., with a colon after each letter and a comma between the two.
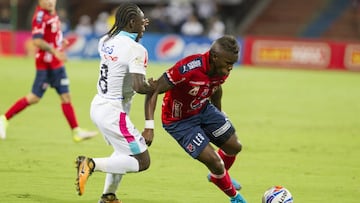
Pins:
x: 300, y: 129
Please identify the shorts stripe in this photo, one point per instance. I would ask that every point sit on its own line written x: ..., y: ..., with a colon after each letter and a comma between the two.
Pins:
x: 134, y: 147
x: 123, y: 129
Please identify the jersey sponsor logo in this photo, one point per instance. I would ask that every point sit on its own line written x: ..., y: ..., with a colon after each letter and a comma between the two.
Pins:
x: 197, y: 103
x: 194, y: 91
x: 176, y: 111
x: 201, y: 94
x: 107, y: 49
x: 191, y: 66
x: 111, y: 58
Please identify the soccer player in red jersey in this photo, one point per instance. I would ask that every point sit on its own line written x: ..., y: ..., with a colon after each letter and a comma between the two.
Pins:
x: 50, y: 71
x: 191, y: 110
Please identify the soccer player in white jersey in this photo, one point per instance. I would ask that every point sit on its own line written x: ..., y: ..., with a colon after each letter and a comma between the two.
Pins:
x: 122, y: 74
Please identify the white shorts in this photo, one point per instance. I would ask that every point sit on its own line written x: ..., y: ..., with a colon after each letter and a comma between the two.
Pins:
x: 112, y: 119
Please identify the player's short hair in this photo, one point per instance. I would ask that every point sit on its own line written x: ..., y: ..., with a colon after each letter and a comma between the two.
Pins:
x: 124, y: 13
x: 226, y: 43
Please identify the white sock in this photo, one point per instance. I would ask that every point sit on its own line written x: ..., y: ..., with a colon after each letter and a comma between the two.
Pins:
x: 112, y: 182
x: 118, y: 164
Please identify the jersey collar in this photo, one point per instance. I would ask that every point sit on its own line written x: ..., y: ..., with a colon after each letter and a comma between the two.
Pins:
x: 128, y: 34
x: 45, y: 11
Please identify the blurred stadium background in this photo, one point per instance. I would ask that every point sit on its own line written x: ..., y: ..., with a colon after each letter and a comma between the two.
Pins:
x: 299, y: 128
x: 320, y: 34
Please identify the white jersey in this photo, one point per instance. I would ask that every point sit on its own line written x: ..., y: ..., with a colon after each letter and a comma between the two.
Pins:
x: 110, y: 108
x: 120, y: 56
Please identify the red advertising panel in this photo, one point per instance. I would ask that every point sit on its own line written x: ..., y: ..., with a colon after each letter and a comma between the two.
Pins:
x: 15, y: 43
x: 7, y: 45
x: 285, y: 53
x: 258, y: 51
x: 352, y: 57
x: 308, y: 54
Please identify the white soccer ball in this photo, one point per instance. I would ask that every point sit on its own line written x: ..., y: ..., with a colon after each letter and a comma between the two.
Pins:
x: 277, y: 194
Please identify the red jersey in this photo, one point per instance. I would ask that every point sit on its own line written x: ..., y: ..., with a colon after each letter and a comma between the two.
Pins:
x: 191, y: 90
x: 47, y: 27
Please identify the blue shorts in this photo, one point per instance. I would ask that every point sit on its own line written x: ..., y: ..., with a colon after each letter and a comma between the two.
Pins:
x: 195, y: 133
x: 55, y: 78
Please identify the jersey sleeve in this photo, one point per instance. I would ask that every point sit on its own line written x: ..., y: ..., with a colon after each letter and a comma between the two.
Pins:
x: 175, y: 75
x: 139, y: 60
x: 38, y: 25
x: 182, y: 71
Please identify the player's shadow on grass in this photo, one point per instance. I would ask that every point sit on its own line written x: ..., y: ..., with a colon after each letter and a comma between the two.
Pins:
x: 134, y: 200
x: 26, y: 197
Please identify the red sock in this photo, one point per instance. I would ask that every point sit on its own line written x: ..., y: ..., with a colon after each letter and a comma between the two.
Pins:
x: 224, y: 183
x: 18, y: 106
x: 228, y: 160
x: 69, y: 113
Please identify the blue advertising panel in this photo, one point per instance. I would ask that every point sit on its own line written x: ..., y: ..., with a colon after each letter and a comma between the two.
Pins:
x: 81, y: 47
x: 169, y: 48
x: 161, y: 47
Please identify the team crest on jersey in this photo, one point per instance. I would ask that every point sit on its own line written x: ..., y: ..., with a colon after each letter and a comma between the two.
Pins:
x: 140, y: 62
x: 191, y: 65
x: 39, y: 16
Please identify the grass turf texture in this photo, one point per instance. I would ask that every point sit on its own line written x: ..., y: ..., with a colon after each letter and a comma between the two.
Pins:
x: 300, y: 129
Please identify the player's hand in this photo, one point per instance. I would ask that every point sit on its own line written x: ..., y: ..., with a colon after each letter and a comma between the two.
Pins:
x: 65, y: 43
x: 148, y: 134
x: 152, y: 83
x: 60, y: 55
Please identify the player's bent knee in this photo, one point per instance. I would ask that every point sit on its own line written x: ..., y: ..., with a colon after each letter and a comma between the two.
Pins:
x: 144, y: 160
x: 143, y: 165
x: 238, y: 148
x: 232, y: 147
x: 215, y: 165
x: 235, y: 149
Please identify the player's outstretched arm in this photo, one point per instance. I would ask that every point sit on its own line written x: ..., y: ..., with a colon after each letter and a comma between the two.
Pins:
x: 148, y: 132
x: 43, y: 45
x: 161, y: 86
x: 140, y: 85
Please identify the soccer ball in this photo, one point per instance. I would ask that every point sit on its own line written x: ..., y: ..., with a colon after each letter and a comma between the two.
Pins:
x: 277, y: 194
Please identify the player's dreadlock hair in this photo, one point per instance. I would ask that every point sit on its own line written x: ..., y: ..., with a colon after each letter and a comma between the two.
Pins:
x: 124, y: 13
x: 227, y: 43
